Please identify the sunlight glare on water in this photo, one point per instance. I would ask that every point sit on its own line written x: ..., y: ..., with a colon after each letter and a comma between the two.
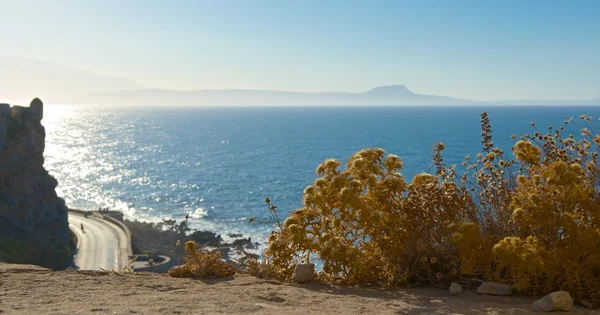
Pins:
x: 218, y: 165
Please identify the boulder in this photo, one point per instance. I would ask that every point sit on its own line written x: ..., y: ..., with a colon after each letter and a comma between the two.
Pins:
x: 494, y: 288
x: 455, y: 288
x: 555, y: 301
x: 304, y: 273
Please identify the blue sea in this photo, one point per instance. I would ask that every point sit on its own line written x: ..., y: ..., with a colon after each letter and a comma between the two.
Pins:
x: 219, y: 164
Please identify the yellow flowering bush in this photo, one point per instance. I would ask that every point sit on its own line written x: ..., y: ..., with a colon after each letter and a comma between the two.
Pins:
x: 532, y: 221
x: 202, y: 263
x: 360, y: 223
x: 552, y: 237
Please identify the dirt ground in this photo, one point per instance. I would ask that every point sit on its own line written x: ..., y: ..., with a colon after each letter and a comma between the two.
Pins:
x: 26, y: 289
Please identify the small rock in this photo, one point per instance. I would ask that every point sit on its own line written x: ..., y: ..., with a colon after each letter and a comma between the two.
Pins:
x: 494, y: 288
x: 555, y: 301
x: 304, y: 273
x: 455, y: 288
x: 263, y: 273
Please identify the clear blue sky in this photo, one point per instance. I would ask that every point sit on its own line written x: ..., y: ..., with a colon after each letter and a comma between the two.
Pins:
x: 481, y: 49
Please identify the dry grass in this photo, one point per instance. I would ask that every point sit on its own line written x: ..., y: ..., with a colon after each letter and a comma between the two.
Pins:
x: 202, y: 264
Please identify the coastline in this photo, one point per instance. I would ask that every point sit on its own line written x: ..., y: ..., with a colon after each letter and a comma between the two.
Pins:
x: 160, y: 239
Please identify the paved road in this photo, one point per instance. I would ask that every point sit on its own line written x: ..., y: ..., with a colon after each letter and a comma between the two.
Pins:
x: 101, y: 244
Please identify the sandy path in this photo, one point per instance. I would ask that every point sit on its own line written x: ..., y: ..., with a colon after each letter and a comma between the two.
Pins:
x: 26, y: 289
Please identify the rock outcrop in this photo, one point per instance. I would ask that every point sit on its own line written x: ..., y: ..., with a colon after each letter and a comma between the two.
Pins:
x: 34, y: 227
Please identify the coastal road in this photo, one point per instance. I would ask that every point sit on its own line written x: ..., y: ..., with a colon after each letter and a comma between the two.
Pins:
x: 101, y: 244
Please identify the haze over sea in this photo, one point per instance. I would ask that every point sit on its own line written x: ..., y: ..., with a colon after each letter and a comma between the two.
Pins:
x: 219, y: 164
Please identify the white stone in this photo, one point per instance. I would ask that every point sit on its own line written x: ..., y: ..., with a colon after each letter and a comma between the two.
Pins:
x: 555, y: 301
x: 455, y: 288
x: 494, y: 288
x: 303, y: 273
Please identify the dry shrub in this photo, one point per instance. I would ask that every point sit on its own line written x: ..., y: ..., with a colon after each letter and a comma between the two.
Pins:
x: 531, y: 220
x: 360, y: 223
x: 249, y: 263
x: 553, y: 239
x: 490, y: 180
x: 202, y: 263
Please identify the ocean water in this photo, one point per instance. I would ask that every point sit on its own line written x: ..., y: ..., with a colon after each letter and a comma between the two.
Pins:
x: 219, y: 164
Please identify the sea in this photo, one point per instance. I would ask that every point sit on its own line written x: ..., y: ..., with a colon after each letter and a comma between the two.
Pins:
x: 218, y: 165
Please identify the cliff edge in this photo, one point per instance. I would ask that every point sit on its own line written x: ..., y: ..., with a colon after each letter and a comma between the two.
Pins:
x: 34, y: 226
x: 34, y: 290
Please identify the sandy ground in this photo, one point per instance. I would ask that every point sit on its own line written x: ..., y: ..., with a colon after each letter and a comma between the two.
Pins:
x: 26, y: 289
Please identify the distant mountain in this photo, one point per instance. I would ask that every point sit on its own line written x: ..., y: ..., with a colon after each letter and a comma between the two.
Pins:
x: 385, y: 95
x: 22, y: 79
x: 378, y: 96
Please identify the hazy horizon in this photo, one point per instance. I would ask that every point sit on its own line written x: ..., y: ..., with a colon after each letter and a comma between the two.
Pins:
x: 473, y: 50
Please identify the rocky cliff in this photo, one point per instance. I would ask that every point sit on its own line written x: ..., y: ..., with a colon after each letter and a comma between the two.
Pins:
x: 34, y: 227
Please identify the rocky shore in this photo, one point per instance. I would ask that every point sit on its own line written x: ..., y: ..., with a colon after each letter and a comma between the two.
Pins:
x: 162, y: 239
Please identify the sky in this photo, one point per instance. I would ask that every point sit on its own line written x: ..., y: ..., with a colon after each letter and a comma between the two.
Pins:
x: 481, y: 49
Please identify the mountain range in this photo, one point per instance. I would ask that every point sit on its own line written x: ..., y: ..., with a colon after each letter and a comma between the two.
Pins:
x: 385, y: 95
x: 23, y: 78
